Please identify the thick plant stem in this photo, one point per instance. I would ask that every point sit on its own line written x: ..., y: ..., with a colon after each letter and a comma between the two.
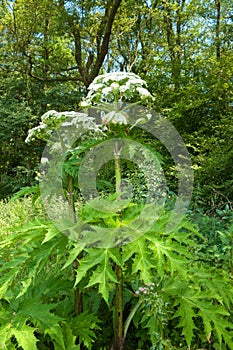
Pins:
x: 119, y: 310
x: 78, y: 297
x: 118, y: 341
x: 78, y: 303
x: 117, y: 150
x: 70, y: 189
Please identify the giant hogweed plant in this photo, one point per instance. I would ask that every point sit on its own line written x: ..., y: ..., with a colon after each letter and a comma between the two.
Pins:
x: 54, y: 285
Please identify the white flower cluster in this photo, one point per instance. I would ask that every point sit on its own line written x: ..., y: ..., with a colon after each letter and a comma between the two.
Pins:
x: 69, y: 121
x: 115, y: 87
x: 39, y: 132
x: 49, y: 121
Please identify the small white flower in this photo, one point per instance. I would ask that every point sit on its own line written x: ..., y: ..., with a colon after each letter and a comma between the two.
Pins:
x: 148, y: 116
x: 115, y: 87
x: 106, y: 90
x: 108, y: 117
x: 85, y: 104
x: 49, y: 115
x: 115, y: 117
x: 30, y: 137
x: 94, y: 86
x: 40, y: 127
x: 44, y: 160
x: 144, y: 92
x: 123, y: 88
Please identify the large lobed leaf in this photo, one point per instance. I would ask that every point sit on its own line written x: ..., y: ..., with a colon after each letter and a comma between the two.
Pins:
x: 103, y: 274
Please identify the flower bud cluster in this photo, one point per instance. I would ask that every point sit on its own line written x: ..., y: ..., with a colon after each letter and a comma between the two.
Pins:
x: 153, y: 301
x: 146, y: 290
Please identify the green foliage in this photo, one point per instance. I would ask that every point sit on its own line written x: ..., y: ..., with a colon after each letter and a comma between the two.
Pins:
x: 103, y: 275
x: 17, y: 212
x: 17, y: 161
x: 193, y: 302
x: 198, y: 295
x: 182, y: 291
x: 36, y: 293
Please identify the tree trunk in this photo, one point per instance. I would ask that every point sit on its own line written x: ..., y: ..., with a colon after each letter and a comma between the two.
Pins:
x: 218, y: 19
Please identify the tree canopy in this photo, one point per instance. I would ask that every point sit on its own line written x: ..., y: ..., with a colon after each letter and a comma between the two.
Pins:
x: 51, y: 51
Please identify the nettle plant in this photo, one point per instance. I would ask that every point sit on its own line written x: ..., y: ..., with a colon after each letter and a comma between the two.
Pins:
x: 101, y: 280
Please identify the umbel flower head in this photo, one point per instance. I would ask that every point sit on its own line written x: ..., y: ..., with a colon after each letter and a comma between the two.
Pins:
x: 64, y: 122
x: 118, y: 87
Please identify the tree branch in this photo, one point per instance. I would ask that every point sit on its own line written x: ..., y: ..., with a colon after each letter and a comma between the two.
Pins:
x: 103, y: 49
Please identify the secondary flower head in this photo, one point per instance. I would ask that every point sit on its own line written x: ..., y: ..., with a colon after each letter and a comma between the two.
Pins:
x: 65, y: 122
x: 84, y: 104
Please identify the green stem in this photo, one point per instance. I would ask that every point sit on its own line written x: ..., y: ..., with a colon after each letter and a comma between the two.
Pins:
x: 118, y: 342
x: 231, y: 256
x: 70, y: 190
x: 78, y: 302
x: 78, y: 297
x: 119, y: 310
x: 117, y: 167
x: 130, y: 317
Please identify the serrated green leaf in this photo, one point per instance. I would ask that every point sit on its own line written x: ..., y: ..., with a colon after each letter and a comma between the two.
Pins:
x: 25, y: 191
x: 35, y: 225
x: 57, y: 337
x: 222, y: 328
x: 83, y: 326
x: 213, y: 319
x: 94, y: 257
x: 6, y: 332
x: 174, y: 286
x: 186, y: 314
x: 25, y: 337
x: 115, y: 255
x: 62, y: 336
x: 73, y: 254
x: 152, y: 324
x: 168, y: 255
x: 32, y: 270
x: 129, y: 250
x: 10, y: 271
x: 39, y: 313
x: 103, y: 275
x: 142, y: 262
x: 216, y: 283
x: 89, y: 213
x: 51, y: 233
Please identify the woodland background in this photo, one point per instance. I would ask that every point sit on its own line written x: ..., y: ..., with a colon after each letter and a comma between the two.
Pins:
x: 51, y: 51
